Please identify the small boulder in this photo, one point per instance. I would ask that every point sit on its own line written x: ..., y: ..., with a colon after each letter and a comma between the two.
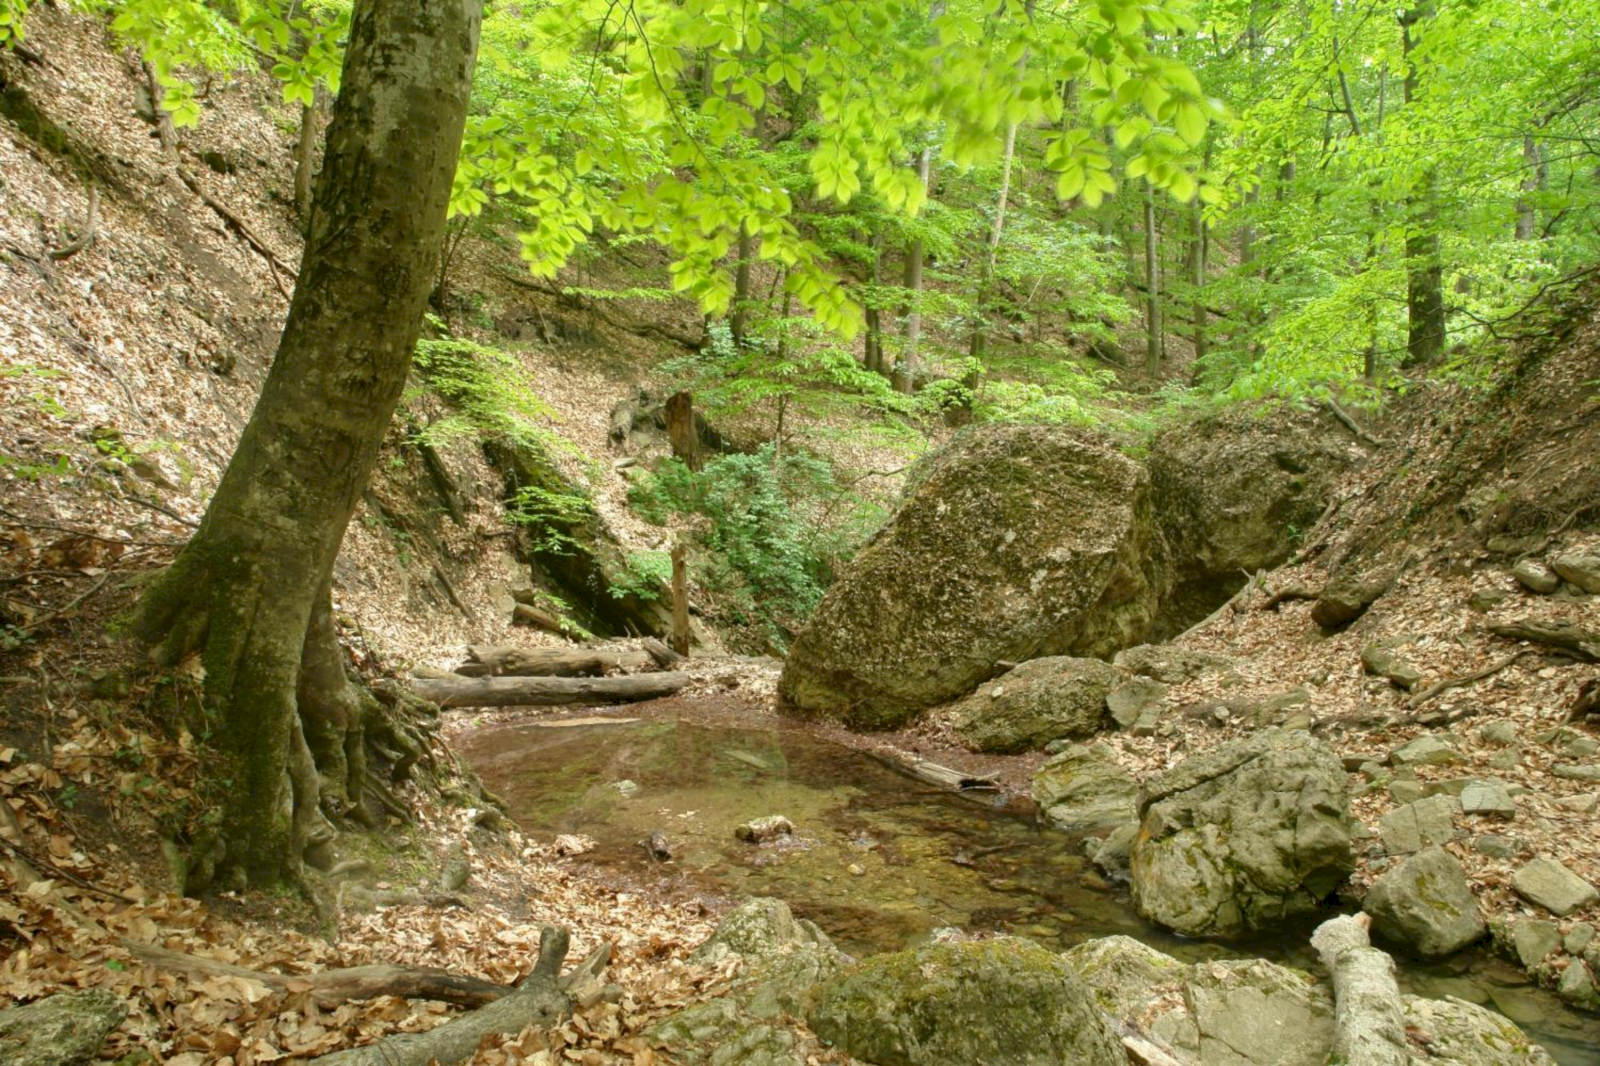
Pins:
x: 1578, y: 938
x: 760, y: 830
x: 1384, y: 660
x: 1168, y: 663
x: 1425, y: 751
x: 954, y: 1004
x: 1348, y: 596
x: 1426, y: 903
x: 1536, y: 576
x: 1576, y: 986
x: 1112, y: 854
x: 1135, y: 699
x: 1034, y: 703
x: 1083, y: 788
x: 60, y: 1030
x: 1489, y: 798
x: 1580, y: 566
x: 1418, y: 825
x: 1500, y: 733
x: 1533, y: 939
x: 1551, y: 885
x: 1463, y: 1034
x: 760, y: 927
x: 1250, y: 832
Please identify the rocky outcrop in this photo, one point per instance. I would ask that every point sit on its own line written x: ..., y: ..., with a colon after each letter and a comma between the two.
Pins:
x: 1014, y: 542
x: 60, y: 1030
x: 1243, y: 835
x: 1034, y: 703
x: 1082, y: 789
x: 1233, y: 494
x: 958, y: 1003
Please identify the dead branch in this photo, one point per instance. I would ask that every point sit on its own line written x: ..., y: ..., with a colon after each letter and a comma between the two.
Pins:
x: 239, y: 226
x: 546, y: 691
x: 488, y: 660
x: 1439, y: 687
x: 647, y: 329
x: 1580, y: 643
x: 85, y: 236
x: 1349, y: 423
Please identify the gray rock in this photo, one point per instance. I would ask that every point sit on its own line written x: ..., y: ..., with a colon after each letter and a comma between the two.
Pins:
x: 1245, y: 834
x: 1580, y: 566
x: 1269, y: 710
x: 1508, y: 759
x: 1496, y: 846
x: 760, y: 927
x: 60, y: 1030
x: 1583, y: 803
x: 955, y: 1004
x: 1461, y: 1034
x: 1168, y: 663
x: 1532, y: 939
x: 1426, y: 903
x: 1034, y: 703
x: 1384, y: 660
x: 1113, y: 854
x: 1405, y: 790
x: 759, y: 830
x: 1536, y: 576
x: 1586, y: 774
x: 1083, y: 789
x: 1348, y: 596
x: 1552, y: 886
x: 1134, y: 698
x: 1487, y: 599
x: 1012, y: 542
x: 1578, y: 938
x: 1488, y: 797
x: 1576, y: 986
x: 1426, y: 750
x: 1418, y: 825
x: 1500, y: 733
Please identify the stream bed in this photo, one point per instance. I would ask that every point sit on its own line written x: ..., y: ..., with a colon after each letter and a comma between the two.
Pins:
x: 878, y: 860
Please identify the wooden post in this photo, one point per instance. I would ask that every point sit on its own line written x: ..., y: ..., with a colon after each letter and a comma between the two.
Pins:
x: 680, y: 600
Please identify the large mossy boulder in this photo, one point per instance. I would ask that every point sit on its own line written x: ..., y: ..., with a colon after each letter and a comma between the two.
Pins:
x: 1234, y: 492
x: 1014, y: 542
x: 1241, y: 836
x: 958, y: 1004
x: 1038, y: 701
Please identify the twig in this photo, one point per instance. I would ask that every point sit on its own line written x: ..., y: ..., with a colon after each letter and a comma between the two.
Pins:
x: 86, y: 237
x: 53, y: 615
x: 1449, y: 683
x: 161, y: 508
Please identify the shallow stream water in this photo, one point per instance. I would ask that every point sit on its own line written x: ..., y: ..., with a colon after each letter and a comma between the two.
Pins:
x: 878, y: 860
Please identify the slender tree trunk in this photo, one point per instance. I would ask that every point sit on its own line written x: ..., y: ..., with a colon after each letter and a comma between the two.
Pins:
x: 1199, y: 242
x: 905, y: 368
x: 876, y: 360
x: 304, y: 163
x: 741, y: 286
x: 1152, y: 283
x: 1532, y: 182
x: 1425, y: 308
x: 980, y: 328
x: 243, y: 592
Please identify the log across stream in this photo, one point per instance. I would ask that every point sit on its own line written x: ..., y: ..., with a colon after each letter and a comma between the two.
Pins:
x: 878, y: 859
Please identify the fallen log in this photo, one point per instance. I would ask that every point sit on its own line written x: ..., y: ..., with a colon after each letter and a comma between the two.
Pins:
x: 546, y: 691
x: 657, y: 649
x: 488, y: 660
x: 1582, y: 643
x: 544, y: 999
x: 330, y: 988
x: 1368, y: 1021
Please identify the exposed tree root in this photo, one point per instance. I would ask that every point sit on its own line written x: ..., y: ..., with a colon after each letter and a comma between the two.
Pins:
x: 1439, y: 687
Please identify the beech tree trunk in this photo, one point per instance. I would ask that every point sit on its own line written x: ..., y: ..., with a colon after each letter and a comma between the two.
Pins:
x: 304, y: 164
x: 905, y: 368
x: 1425, y: 309
x: 247, y: 588
x: 1152, y: 286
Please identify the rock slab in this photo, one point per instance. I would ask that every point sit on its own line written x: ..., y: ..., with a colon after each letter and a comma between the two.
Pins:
x: 1552, y: 886
x: 60, y: 1030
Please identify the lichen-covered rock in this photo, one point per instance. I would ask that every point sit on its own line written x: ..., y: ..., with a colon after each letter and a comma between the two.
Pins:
x: 1034, y: 703
x: 1136, y: 701
x: 1168, y: 663
x: 1348, y: 595
x: 1461, y: 1034
x: 782, y: 962
x: 1083, y: 789
x: 1552, y: 886
x: 1015, y: 542
x: 1426, y: 904
x: 957, y: 1004
x: 60, y: 1030
x: 1234, y: 491
x: 1579, y: 567
x: 1235, y: 838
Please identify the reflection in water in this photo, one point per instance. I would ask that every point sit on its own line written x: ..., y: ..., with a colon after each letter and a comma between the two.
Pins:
x: 878, y: 860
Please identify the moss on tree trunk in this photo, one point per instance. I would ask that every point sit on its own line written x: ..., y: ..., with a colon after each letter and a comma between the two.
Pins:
x: 244, y: 591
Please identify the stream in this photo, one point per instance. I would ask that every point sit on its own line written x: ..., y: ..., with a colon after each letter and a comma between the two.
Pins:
x: 878, y: 860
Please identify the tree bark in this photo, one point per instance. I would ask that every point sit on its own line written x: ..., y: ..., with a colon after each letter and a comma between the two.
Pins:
x: 1425, y: 310
x: 305, y: 164
x: 546, y: 691
x: 490, y: 661
x: 1532, y: 182
x: 905, y: 368
x: 242, y: 592
x: 1368, y: 1024
x: 680, y: 599
x: 741, y: 287
x: 1152, y: 286
x: 681, y: 431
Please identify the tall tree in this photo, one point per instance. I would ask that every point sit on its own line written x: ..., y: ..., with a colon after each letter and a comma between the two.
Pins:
x: 244, y: 591
x: 1425, y: 308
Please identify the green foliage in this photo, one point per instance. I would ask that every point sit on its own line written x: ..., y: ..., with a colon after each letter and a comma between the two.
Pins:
x: 644, y: 575
x: 770, y: 533
x: 550, y: 517
x: 13, y: 13
x: 487, y: 390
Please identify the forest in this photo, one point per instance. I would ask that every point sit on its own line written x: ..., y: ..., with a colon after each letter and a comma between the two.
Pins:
x: 909, y: 532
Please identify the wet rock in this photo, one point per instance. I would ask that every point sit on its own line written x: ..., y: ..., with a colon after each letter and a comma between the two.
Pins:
x: 657, y: 846
x: 1581, y: 567
x: 1232, y: 489
x: 1426, y: 904
x: 1083, y: 789
x: 1384, y: 660
x: 1576, y: 986
x: 1114, y: 852
x: 1536, y: 576
x: 1013, y: 542
x: 1134, y: 700
x: 60, y: 1030
x: 1488, y: 797
x: 760, y: 830
x: 1348, y: 596
x: 1418, y: 825
x: 1034, y: 703
x: 1533, y: 939
x: 954, y: 1004
x: 1552, y: 886
x: 1240, y: 836
x: 1425, y: 751
x: 1169, y: 663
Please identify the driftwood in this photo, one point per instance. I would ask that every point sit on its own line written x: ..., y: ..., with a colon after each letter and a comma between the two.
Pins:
x: 943, y: 776
x: 488, y: 660
x: 546, y: 691
x: 1368, y: 1023
x: 330, y: 988
x: 1583, y: 643
x: 544, y: 999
